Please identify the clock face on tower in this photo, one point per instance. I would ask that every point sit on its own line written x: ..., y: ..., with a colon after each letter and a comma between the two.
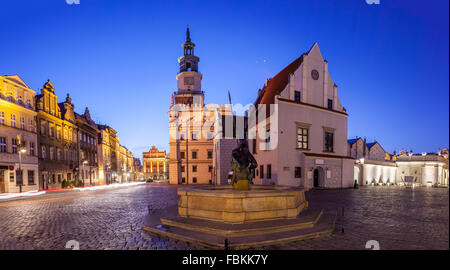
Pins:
x: 188, y: 80
x: 315, y: 74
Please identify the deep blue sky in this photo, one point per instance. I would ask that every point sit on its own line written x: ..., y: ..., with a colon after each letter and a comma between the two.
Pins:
x: 119, y: 58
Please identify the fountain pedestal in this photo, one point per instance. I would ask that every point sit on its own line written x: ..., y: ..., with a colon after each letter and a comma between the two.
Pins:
x: 225, y: 204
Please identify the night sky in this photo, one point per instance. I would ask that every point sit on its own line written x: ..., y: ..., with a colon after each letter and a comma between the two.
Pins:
x: 119, y: 58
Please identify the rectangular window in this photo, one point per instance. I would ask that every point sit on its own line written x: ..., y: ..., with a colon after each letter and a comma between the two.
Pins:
x: 254, y: 146
x: 194, y: 168
x: 194, y: 155
x: 210, y: 154
x: 2, y: 118
x: 30, y: 177
x: 182, y: 155
x: 328, y: 142
x: 210, y: 168
x: 22, y: 123
x: 183, y: 180
x: 298, y: 172
x: 31, y: 148
x: 330, y: 104
x: 42, y: 128
x: 261, y: 170
x: 52, y: 153
x: 182, y: 136
x: 194, y: 136
x: 13, y: 120
x: 44, y: 153
x: 297, y: 96
x: 269, y: 171
x: 302, y: 138
x: 182, y: 169
x: 30, y: 125
x: 14, y: 146
x: 194, y: 179
x: 268, y: 139
x: 3, y: 144
x: 50, y: 130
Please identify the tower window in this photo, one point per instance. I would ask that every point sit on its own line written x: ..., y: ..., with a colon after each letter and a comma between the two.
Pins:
x: 330, y: 104
x: 297, y: 96
x: 188, y: 66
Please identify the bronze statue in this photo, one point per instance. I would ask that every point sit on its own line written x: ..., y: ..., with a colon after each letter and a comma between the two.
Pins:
x: 243, y: 165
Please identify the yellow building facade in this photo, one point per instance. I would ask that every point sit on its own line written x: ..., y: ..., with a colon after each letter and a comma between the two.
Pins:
x: 18, y: 138
x: 155, y: 164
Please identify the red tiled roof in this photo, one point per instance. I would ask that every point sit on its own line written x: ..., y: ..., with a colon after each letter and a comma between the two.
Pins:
x: 278, y: 83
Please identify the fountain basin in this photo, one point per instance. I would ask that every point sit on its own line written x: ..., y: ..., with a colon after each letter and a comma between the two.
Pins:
x: 221, y: 203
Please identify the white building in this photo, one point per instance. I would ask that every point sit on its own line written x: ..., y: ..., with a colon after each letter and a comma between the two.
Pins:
x: 309, y: 129
x: 374, y: 166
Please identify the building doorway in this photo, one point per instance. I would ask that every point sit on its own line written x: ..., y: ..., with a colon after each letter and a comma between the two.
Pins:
x: 318, y: 177
x: 2, y: 181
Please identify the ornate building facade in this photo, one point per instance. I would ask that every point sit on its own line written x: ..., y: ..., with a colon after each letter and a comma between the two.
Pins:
x: 108, y: 155
x: 191, y: 146
x: 18, y: 138
x: 304, y: 141
x: 88, y: 156
x: 156, y: 164
x: 57, y: 139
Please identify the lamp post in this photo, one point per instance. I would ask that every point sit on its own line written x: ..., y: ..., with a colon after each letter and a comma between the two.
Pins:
x: 22, y: 150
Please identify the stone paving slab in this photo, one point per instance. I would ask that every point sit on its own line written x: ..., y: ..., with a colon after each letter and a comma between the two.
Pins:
x: 395, y: 217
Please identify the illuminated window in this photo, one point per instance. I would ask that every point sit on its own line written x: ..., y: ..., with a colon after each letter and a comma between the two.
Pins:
x: 13, y: 120
x: 2, y: 118
x: 22, y: 123
x: 302, y: 138
x: 14, y: 146
x: 30, y: 125
x: 31, y: 148
x: 52, y: 153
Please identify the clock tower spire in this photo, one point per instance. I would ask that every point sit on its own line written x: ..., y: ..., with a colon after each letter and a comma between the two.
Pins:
x: 188, y: 79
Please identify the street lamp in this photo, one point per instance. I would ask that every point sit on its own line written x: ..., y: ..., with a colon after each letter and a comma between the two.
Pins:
x: 21, y: 151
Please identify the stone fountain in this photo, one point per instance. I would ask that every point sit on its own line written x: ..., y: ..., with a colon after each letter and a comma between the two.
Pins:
x: 241, y: 215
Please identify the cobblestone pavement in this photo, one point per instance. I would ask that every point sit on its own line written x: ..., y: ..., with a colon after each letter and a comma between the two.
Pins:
x: 112, y: 219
